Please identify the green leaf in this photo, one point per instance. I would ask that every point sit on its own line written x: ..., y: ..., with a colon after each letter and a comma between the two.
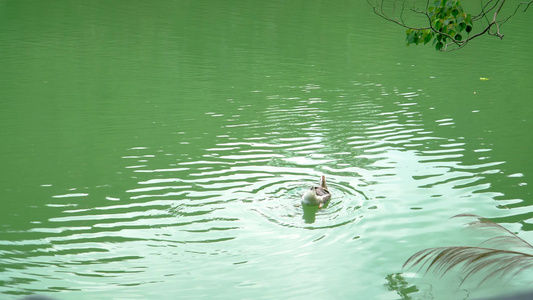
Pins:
x: 461, y: 26
x: 409, y: 38
x: 458, y: 37
x: 413, y: 37
x: 468, y: 28
x: 427, y: 38
x: 449, y: 4
x: 438, y: 24
x: 416, y: 36
x: 455, y: 12
x: 439, y: 46
x: 468, y: 19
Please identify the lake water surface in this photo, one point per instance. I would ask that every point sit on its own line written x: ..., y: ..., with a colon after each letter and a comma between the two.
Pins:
x: 159, y: 150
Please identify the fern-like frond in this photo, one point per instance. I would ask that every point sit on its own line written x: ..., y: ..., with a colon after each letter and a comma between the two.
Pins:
x: 481, y: 223
x: 471, y: 260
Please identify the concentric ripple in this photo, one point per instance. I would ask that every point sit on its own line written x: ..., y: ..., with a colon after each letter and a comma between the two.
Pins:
x: 229, y: 197
x: 280, y: 202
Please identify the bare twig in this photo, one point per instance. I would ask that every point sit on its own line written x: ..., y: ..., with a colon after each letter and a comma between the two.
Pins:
x: 484, y: 11
x: 516, y: 10
x: 382, y: 14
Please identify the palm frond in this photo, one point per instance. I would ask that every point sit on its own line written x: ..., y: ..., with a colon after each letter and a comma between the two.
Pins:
x: 482, y: 223
x: 471, y: 260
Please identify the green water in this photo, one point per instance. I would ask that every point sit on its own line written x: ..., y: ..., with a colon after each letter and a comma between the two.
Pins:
x: 158, y: 150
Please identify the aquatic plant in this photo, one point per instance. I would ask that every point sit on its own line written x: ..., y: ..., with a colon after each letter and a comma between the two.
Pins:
x: 493, y: 255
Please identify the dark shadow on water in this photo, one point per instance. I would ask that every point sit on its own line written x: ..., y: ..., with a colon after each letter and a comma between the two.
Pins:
x: 309, y: 215
x: 396, y: 282
x: 310, y: 212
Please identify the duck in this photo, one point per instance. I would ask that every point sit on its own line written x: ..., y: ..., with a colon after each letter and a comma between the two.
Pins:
x: 317, y: 195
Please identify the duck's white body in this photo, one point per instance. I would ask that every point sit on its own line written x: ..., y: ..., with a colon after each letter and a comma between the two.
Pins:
x: 317, y: 195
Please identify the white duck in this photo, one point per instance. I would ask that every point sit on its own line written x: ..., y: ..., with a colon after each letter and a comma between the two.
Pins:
x: 317, y: 195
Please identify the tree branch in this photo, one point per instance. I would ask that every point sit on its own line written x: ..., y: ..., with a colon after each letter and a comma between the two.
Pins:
x: 382, y: 14
x: 495, y: 22
x: 447, y: 21
x: 516, y: 10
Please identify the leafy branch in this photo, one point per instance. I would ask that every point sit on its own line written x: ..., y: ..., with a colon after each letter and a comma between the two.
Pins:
x: 448, y: 25
x: 495, y: 260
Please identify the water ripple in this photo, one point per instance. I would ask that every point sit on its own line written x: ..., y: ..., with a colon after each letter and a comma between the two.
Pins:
x: 280, y: 204
x: 380, y: 160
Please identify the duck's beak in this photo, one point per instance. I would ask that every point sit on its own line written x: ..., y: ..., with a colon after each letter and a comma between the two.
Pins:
x: 323, y: 182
